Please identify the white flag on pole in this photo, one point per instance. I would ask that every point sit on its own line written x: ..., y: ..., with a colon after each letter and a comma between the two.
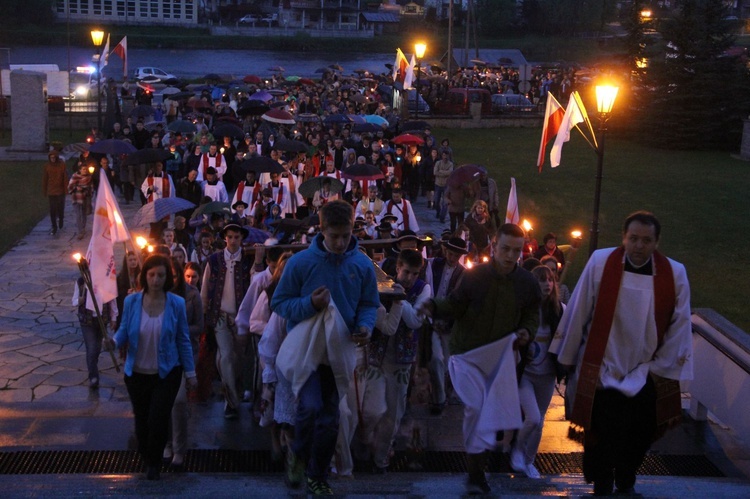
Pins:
x: 511, y: 212
x: 575, y: 113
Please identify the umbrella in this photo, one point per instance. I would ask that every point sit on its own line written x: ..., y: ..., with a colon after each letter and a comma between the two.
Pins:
x: 292, y: 78
x: 336, y: 67
x: 239, y: 88
x: 172, y: 81
x: 284, y: 144
x: 142, y: 111
x: 151, y: 125
x: 287, y: 226
x: 279, y: 116
x: 228, y: 130
x: 407, y: 138
x: 313, y: 220
x: 478, y: 62
x: 363, y: 172
x: 261, y: 95
x: 261, y: 164
x: 198, y: 103
x: 255, y: 236
x: 147, y: 156
x: 252, y: 80
x: 276, y: 69
x: 357, y: 119
x: 306, y: 81
x: 360, y: 71
x: 212, y: 207
x: 367, y: 128
x: 228, y: 118
x: 212, y: 77
x: 252, y: 107
x: 375, y: 119
x: 182, y: 95
x: 278, y: 104
x: 158, y: 209
x: 308, y: 188
x: 415, y: 126
x: 336, y: 118
x: 182, y: 126
x: 170, y: 91
x: 308, y: 118
x: 324, y: 70
x: 276, y: 91
x: 358, y: 98
x: 112, y: 146
x: 464, y: 175
x: 72, y: 149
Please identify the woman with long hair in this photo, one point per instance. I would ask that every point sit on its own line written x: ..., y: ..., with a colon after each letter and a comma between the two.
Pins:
x: 154, y: 332
x: 481, y: 229
x: 537, y: 383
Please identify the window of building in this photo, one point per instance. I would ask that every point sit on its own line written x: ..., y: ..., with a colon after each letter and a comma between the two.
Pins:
x: 154, y: 8
x: 143, y: 8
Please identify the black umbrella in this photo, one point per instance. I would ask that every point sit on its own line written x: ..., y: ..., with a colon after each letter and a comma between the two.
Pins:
x: 415, y: 126
x: 252, y: 108
x: 212, y: 77
x: 261, y: 164
x: 172, y: 81
x: 112, y: 146
x: 228, y: 130
x: 363, y: 172
x: 309, y: 187
x: 142, y: 111
x: 147, y: 156
x: 284, y: 144
x: 366, y: 128
x: 336, y: 67
x: 212, y: 207
x: 308, y: 118
x: 324, y: 70
x: 337, y: 118
x: 182, y: 126
x: 278, y: 104
x: 181, y: 95
x: 276, y: 69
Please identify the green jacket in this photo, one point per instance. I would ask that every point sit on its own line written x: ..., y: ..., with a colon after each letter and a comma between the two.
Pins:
x: 487, y: 306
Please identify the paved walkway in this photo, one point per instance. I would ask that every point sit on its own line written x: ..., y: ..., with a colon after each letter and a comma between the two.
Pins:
x: 45, y: 404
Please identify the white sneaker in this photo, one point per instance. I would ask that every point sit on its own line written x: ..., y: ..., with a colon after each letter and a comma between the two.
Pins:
x: 517, y: 462
x: 532, y: 472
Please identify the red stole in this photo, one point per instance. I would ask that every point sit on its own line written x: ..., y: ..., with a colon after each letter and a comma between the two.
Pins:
x: 279, y: 193
x: 254, y: 197
x: 668, y: 408
x: 404, y: 212
x: 205, y: 165
x: 165, y: 193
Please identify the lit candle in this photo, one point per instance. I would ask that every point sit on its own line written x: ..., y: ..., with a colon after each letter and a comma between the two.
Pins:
x: 141, y: 242
x: 77, y: 257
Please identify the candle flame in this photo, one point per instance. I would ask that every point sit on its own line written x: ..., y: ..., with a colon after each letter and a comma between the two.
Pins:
x: 77, y: 257
x: 526, y: 225
x: 141, y: 242
x: 91, y: 170
x: 576, y: 234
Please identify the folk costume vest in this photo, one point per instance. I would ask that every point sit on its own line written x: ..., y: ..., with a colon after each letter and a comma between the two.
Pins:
x: 217, y: 281
x: 668, y: 408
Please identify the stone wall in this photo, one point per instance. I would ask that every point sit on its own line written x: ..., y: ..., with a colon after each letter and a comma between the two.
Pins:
x: 29, y: 116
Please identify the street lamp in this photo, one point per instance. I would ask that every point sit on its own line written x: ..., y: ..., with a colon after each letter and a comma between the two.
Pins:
x: 605, y: 100
x: 97, y: 36
x: 419, y: 50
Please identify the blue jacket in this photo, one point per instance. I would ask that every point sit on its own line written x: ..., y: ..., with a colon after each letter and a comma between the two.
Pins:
x: 349, y: 277
x: 174, y: 342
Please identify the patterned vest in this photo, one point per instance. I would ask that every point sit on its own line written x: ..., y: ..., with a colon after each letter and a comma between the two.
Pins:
x: 216, y: 282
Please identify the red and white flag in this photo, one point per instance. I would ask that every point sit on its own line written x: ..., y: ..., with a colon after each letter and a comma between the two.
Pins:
x: 400, y: 67
x: 105, y: 54
x: 511, y: 212
x: 553, y: 117
x: 409, y: 80
x: 107, y: 229
x: 574, y: 114
x: 122, y: 50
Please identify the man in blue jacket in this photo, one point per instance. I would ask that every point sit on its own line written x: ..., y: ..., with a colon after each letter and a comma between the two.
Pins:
x: 332, y: 268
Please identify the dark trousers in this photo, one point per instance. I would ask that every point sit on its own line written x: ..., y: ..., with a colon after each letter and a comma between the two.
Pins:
x: 152, y: 398
x: 622, y: 429
x: 317, y: 422
x: 57, y: 210
x: 456, y: 220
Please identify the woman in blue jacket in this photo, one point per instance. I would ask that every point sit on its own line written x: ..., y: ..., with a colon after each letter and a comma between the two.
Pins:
x: 154, y: 330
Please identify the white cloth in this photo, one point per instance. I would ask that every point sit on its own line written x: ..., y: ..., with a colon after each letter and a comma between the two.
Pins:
x: 147, y: 354
x: 631, y: 351
x: 485, y: 380
x: 158, y: 187
x: 322, y: 339
x: 402, y: 211
x: 258, y: 284
x: 217, y: 192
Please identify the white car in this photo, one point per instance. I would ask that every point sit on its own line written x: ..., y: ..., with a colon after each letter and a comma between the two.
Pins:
x: 250, y: 19
x: 151, y: 74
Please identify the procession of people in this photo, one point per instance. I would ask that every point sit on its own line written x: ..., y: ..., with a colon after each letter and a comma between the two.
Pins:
x: 321, y: 300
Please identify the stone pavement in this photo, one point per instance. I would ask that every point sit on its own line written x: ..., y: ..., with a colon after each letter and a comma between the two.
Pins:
x: 45, y: 404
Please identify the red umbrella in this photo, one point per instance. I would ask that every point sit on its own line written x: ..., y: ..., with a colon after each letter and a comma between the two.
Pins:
x: 279, y: 116
x: 305, y: 81
x: 465, y: 175
x: 252, y: 79
x: 407, y: 138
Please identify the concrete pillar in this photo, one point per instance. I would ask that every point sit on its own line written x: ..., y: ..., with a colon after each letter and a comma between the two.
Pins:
x: 29, y: 116
x: 745, y: 147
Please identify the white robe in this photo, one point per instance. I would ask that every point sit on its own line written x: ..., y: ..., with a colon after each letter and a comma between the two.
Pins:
x: 629, y: 356
x: 402, y: 211
x: 216, y: 192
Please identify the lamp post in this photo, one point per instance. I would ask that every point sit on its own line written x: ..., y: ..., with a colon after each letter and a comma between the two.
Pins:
x: 97, y: 36
x: 605, y: 100
x: 419, y: 50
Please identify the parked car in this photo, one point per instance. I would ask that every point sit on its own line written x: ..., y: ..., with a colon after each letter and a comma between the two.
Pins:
x: 271, y: 19
x: 250, y: 19
x: 511, y: 104
x: 459, y: 100
x: 151, y: 74
x: 83, y: 84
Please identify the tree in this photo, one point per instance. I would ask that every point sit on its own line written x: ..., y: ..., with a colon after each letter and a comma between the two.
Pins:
x: 694, y: 95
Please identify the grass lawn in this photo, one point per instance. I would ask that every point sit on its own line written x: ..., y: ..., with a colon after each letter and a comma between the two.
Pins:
x: 700, y: 198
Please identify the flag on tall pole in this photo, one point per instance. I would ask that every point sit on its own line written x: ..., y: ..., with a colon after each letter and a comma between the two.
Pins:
x: 400, y: 67
x: 511, y: 212
x: 104, y: 57
x: 574, y: 114
x: 122, y: 50
x: 409, y: 79
x: 553, y: 117
x: 107, y: 229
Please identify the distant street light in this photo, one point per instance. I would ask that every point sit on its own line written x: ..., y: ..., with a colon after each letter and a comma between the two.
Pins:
x: 97, y: 37
x: 419, y: 50
x: 605, y: 100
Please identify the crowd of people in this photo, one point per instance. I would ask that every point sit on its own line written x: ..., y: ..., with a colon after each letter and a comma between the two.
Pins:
x: 301, y: 326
